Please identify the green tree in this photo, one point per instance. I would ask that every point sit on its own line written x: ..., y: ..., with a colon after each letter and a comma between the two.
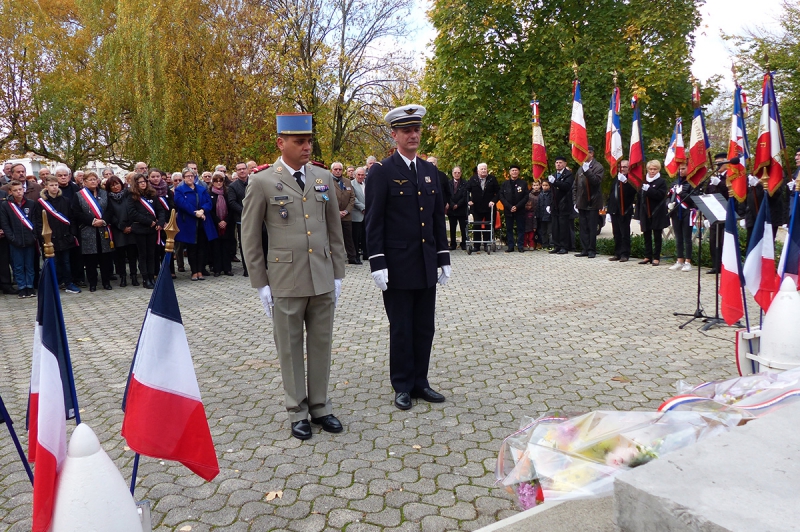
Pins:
x: 490, y: 56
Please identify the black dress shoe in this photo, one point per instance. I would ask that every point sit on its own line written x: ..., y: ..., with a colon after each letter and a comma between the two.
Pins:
x: 591, y: 255
x: 712, y: 271
x: 93, y: 288
x: 216, y: 274
x: 553, y: 251
x: 107, y: 286
x: 402, y: 400
x: 623, y: 259
x: 329, y: 423
x: 229, y: 274
x: 245, y: 274
x: 613, y: 258
x: 428, y: 394
x: 561, y: 252
x: 352, y: 261
x: 301, y: 430
x: 582, y: 254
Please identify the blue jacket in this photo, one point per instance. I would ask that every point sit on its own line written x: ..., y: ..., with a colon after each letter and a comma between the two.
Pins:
x: 186, y: 202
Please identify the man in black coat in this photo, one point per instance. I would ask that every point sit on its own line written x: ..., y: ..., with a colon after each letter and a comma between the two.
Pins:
x: 5, y: 254
x: 482, y: 191
x: 514, y: 195
x: 620, y: 207
x: 407, y: 242
x: 443, y: 182
x: 563, y: 210
x: 457, y: 209
x: 588, y: 201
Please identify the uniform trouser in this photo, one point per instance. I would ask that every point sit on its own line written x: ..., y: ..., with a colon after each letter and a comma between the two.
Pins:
x: 146, y: 245
x: 347, y: 233
x: 126, y: 254
x: 587, y: 223
x: 221, y: 254
x: 305, y: 388
x: 683, y: 236
x: 518, y: 219
x: 411, y: 328
x: 621, y: 227
x: 5, y: 264
x: 716, y: 236
x: 76, y: 265
x: 561, y: 224
x: 358, y: 238
x: 461, y: 223
x: 651, y: 236
x: 106, y: 263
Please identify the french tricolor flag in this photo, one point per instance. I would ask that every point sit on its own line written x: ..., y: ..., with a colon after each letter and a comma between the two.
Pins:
x: 738, y: 146
x: 790, y: 256
x: 760, y: 276
x: 730, y: 277
x: 164, y: 414
x: 636, y: 161
x: 771, y: 144
x: 578, y: 138
x: 676, y: 152
x: 51, y: 400
x: 613, y: 136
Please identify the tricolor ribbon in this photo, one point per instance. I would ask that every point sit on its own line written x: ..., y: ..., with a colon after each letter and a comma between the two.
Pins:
x: 53, y: 212
x: 92, y: 203
x: 21, y: 215
x: 152, y: 212
x: 164, y: 203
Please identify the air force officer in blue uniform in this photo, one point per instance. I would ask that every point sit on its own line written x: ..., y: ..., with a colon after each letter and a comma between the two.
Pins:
x: 407, y: 242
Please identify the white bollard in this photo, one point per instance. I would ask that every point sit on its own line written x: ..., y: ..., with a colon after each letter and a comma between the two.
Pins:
x: 780, y: 335
x: 91, y: 495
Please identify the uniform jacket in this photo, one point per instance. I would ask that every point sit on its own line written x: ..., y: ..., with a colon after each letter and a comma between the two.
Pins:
x: 361, y: 202
x: 405, y: 223
x: 140, y: 217
x: 15, y: 231
x: 443, y: 182
x: 481, y: 197
x: 621, y: 198
x: 514, y: 193
x: 562, y: 194
x: 458, y: 198
x: 652, y: 206
x: 346, y: 197
x: 186, y: 202
x: 236, y: 191
x: 722, y: 188
x: 230, y: 229
x: 83, y: 216
x: 306, y: 246
x: 586, y: 189
x: 62, y: 237
x: 118, y: 218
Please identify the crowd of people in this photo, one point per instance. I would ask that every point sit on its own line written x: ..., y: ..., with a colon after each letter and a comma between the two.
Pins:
x: 110, y: 228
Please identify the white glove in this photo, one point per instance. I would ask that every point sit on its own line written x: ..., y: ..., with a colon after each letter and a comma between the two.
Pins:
x: 265, y: 293
x: 752, y: 180
x: 671, y: 206
x: 551, y: 178
x: 337, y: 291
x: 791, y: 185
x: 742, y: 224
x: 676, y: 189
x: 706, y: 224
x: 381, y: 277
x: 645, y: 186
x: 622, y: 178
x: 585, y: 167
x: 576, y: 209
x: 445, y: 276
x: 715, y: 180
x: 547, y: 209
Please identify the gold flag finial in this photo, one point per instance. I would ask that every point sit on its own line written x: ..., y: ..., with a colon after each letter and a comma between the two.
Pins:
x: 171, y: 229
x: 615, y: 77
x: 575, y: 69
x: 733, y: 71
x: 47, y: 234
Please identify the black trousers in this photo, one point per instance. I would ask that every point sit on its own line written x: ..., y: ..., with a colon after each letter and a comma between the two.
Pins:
x: 197, y: 252
x: 221, y: 254
x: 512, y: 219
x: 481, y: 232
x: 461, y: 222
x: 411, y: 328
x: 76, y: 265
x: 126, y: 254
x: 561, y: 231
x: 621, y: 227
x: 650, y: 237
x: 105, y: 261
x: 146, y: 245
x: 347, y: 233
x: 683, y: 237
x: 717, y: 234
x: 587, y: 223
x: 358, y: 238
x: 5, y: 265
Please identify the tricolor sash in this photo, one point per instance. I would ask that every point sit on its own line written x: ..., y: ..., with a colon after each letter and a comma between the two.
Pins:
x: 164, y: 203
x: 53, y: 212
x: 147, y: 206
x: 21, y: 215
x: 92, y: 203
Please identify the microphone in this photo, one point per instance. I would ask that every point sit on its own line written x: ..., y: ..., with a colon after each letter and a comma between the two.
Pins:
x: 734, y: 161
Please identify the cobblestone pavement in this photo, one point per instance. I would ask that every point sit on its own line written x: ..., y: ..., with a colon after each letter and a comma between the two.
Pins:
x: 517, y: 335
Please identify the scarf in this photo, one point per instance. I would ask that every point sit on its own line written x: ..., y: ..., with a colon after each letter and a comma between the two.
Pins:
x: 161, y: 188
x: 117, y: 196
x: 222, y: 205
x: 651, y: 179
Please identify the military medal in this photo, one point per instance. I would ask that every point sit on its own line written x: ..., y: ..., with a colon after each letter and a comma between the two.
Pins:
x: 279, y: 186
x: 319, y: 182
x: 427, y: 179
x: 279, y: 169
x: 284, y: 213
x: 321, y: 188
x: 325, y: 197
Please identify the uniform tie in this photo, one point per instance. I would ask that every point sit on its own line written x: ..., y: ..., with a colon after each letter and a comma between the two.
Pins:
x: 413, y: 168
x: 298, y: 176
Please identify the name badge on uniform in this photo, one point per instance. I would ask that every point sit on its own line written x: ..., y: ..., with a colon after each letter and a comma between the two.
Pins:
x: 284, y: 213
x: 427, y: 179
x: 281, y: 198
x: 321, y: 188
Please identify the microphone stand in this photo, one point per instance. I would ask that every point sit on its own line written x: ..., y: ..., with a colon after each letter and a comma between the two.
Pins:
x: 698, y: 311
x: 716, y: 320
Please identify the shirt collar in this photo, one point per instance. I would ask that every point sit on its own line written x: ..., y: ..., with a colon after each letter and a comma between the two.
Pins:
x: 407, y: 160
x: 302, y: 169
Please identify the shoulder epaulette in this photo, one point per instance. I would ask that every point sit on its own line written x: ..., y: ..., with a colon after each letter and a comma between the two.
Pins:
x: 317, y: 164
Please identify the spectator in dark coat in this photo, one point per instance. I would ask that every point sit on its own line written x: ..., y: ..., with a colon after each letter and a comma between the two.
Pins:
x: 62, y: 238
x: 620, y: 207
x: 235, y: 195
x: 544, y: 216
x: 531, y: 206
x: 221, y: 215
x: 457, y: 208
x: 562, y: 209
x: 680, y: 206
x: 193, y: 205
x: 147, y: 217
x: 15, y: 221
x: 652, y: 209
x: 483, y: 191
x: 90, y: 212
x: 514, y: 196
x: 588, y: 199
x: 125, y: 250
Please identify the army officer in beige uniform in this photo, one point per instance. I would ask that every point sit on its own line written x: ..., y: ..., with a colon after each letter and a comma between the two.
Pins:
x: 306, y: 261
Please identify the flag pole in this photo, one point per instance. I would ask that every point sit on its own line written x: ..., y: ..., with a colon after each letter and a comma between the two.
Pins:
x: 49, y: 253
x: 171, y: 229
x: 789, y: 233
x: 5, y: 417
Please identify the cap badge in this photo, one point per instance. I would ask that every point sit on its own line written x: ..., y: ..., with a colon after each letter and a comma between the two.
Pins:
x: 411, y: 111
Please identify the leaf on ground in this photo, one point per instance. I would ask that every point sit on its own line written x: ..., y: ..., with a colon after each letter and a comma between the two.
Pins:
x: 272, y: 495
x: 186, y: 528
x: 416, y: 447
x: 84, y: 339
x: 620, y: 378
